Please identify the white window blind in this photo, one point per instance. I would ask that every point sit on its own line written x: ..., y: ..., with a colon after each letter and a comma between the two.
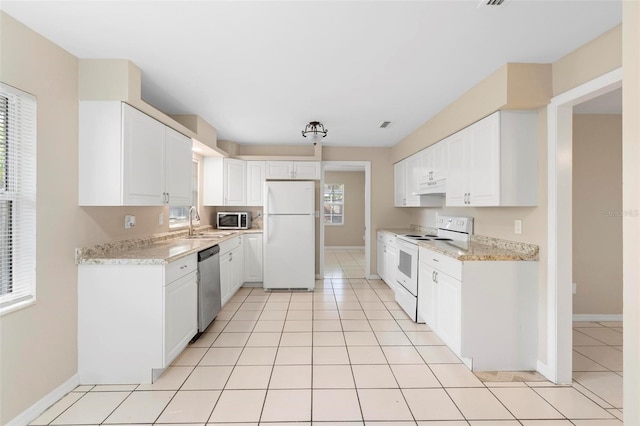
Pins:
x: 17, y: 198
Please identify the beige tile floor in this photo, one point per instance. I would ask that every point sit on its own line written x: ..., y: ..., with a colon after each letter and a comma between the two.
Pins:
x: 344, y: 353
x: 344, y: 263
x: 597, y: 362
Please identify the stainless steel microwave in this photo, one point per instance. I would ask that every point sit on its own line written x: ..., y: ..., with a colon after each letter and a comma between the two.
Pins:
x: 234, y: 220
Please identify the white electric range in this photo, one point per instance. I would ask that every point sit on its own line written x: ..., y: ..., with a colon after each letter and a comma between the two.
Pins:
x: 449, y: 228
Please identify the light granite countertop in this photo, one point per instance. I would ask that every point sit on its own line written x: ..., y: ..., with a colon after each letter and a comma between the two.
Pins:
x: 480, y: 248
x: 155, y: 250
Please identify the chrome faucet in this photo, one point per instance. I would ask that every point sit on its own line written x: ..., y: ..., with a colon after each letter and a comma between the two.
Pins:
x: 192, y: 210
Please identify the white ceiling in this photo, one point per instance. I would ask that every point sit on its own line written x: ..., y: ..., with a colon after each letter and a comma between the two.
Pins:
x: 259, y: 71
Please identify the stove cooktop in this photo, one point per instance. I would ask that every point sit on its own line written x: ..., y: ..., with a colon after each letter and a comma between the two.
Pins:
x: 426, y: 237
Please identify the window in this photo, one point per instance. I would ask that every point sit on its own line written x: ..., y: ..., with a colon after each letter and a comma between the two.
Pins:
x: 179, y: 216
x: 17, y: 199
x: 334, y: 204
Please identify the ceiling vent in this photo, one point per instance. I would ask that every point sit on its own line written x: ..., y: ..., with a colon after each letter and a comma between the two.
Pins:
x: 385, y: 124
x: 492, y: 2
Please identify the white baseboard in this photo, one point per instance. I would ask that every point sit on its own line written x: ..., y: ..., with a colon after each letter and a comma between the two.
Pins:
x: 252, y: 284
x: 33, y: 412
x: 597, y: 317
x: 374, y: 277
x: 344, y: 247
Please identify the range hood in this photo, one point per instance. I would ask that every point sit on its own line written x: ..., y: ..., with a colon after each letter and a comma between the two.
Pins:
x: 430, y: 187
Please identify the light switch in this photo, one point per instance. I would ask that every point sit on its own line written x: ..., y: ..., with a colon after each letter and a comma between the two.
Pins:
x: 161, y: 219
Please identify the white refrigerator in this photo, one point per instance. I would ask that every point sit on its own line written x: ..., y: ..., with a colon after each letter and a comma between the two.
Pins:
x: 289, y: 235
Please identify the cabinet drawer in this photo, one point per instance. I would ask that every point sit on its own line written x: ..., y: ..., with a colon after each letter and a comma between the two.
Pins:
x: 390, y: 239
x: 179, y: 268
x: 230, y: 244
x: 443, y: 263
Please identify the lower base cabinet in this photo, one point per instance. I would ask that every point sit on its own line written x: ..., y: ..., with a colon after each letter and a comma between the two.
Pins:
x: 387, y: 258
x: 484, y: 311
x: 134, y: 320
x: 231, y: 267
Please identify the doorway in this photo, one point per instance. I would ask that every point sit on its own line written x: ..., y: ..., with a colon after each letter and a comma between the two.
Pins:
x: 558, y: 367
x: 345, y: 219
x: 597, y: 268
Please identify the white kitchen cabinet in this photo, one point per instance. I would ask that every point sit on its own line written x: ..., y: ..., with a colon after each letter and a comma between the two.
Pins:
x: 484, y: 311
x: 255, y: 182
x: 133, y: 320
x: 493, y: 162
x: 127, y: 158
x: 433, y: 165
x: 301, y: 170
x: 253, y: 265
x: 179, y: 168
x: 231, y: 267
x: 387, y: 258
x: 399, y: 184
x: 380, y: 259
x: 224, y: 182
x: 181, y: 310
x: 408, y: 176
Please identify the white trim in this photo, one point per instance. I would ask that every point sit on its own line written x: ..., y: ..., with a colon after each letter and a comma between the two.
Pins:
x: 355, y: 166
x: 559, y: 232
x: 374, y: 277
x: 543, y: 369
x: 344, y: 247
x: 36, y: 410
x: 597, y: 317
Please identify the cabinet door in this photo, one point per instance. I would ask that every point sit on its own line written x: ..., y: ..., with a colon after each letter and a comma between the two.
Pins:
x: 438, y: 160
x: 399, y: 179
x: 181, y: 315
x: 484, y: 162
x: 237, y: 269
x: 381, y: 261
x: 226, y: 277
x: 426, y: 295
x: 448, y: 315
x: 252, y: 258
x: 144, y: 158
x: 412, y: 179
x: 255, y: 183
x: 179, y: 168
x: 279, y: 170
x: 307, y: 170
x: 235, y: 182
x: 457, y: 169
x: 391, y: 265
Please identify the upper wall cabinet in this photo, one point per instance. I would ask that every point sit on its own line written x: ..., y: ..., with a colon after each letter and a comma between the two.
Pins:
x: 224, y: 182
x: 127, y: 158
x: 302, y: 170
x: 255, y: 182
x: 493, y: 162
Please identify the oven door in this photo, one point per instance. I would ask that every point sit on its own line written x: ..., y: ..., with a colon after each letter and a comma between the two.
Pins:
x: 407, y: 274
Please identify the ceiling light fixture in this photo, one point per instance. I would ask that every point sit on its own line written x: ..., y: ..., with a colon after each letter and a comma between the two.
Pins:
x: 314, y: 130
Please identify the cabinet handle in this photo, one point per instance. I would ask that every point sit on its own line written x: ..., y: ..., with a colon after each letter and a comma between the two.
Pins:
x: 230, y: 257
x: 183, y: 266
x: 433, y: 276
x: 436, y: 277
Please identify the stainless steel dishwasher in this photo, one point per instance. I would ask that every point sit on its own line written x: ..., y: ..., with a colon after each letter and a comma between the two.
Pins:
x: 209, y: 296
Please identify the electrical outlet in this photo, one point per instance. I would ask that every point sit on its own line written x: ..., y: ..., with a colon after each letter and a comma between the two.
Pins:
x: 517, y: 226
x: 129, y: 221
x: 161, y: 219
x: 574, y: 288
x: 259, y: 213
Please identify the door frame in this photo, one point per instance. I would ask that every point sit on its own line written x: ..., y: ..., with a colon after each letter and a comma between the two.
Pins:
x: 356, y: 166
x: 558, y: 366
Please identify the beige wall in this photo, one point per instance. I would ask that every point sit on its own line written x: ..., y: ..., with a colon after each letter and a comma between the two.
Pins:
x: 598, y: 57
x: 631, y: 204
x: 597, y: 204
x: 39, y: 343
x: 351, y: 233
